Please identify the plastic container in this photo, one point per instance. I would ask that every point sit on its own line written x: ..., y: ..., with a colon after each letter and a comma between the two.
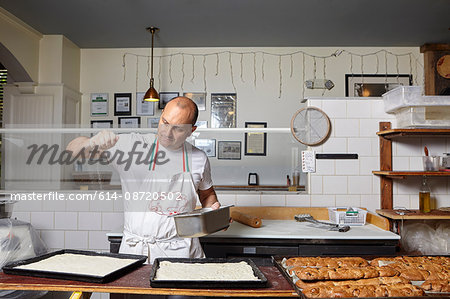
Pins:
x: 348, y: 216
x: 410, y: 96
x: 202, y: 222
x: 431, y: 163
x: 423, y: 117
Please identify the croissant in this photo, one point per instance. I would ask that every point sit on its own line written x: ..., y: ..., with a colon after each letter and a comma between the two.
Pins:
x: 436, y: 285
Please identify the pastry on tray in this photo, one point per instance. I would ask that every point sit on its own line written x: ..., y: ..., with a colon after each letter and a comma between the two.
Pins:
x: 331, y: 262
x: 346, y: 291
x: 369, y: 281
x: 325, y: 273
x: 436, y: 286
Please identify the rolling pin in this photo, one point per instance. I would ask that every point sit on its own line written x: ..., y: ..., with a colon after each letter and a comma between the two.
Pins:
x: 246, y: 219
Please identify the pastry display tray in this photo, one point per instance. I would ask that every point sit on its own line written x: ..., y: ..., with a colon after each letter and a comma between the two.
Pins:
x: 202, y: 284
x: 10, y: 268
x: 277, y: 261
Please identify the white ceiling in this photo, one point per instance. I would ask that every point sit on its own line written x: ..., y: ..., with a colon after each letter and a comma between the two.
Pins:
x: 238, y: 23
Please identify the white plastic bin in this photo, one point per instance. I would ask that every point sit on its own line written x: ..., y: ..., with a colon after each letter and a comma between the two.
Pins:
x: 339, y: 215
x: 410, y: 96
x: 423, y: 117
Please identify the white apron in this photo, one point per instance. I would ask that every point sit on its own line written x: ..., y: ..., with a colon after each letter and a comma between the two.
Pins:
x: 147, y: 228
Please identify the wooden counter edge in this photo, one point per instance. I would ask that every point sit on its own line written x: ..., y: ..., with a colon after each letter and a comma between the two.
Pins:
x: 151, y: 291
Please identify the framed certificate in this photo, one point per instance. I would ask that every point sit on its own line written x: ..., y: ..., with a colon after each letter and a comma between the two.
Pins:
x: 229, y: 150
x: 255, y: 142
x: 144, y: 108
x: 206, y: 145
x: 201, y: 124
x: 122, y: 104
x: 223, y: 110
x: 99, y: 104
x: 152, y: 122
x: 199, y: 98
x: 129, y: 122
x: 101, y: 124
x: 165, y: 97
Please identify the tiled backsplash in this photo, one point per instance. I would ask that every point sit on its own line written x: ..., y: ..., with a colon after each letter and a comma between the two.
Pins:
x: 83, y: 224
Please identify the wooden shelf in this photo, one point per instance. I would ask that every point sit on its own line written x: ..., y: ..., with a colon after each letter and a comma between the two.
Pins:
x: 413, y: 214
x: 394, y: 133
x: 404, y: 174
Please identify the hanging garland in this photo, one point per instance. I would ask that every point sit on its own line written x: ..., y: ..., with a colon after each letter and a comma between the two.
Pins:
x: 335, y: 54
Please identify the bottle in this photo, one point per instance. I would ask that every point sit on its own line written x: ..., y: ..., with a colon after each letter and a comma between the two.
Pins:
x: 424, y: 197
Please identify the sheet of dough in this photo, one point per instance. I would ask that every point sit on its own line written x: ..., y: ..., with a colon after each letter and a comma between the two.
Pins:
x: 79, y: 264
x: 205, y: 271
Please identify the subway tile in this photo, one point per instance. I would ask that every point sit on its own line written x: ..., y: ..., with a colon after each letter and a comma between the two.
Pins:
x: 315, y: 103
x: 23, y: 216
x: 368, y: 127
x: 438, y: 185
x: 325, y: 167
x: 77, y: 206
x: 251, y: 200
x: 118, y: 206
x: 353, y: 201
x: 227, y: 199
x: 376, y: 185
x: 28, y: 206
x: 298, y: 200
x: 375, y: 146
x: 409, y: 186
x: 371, y: 202
x: 89, y: 221
x: 347, y: 167
x: 360, y: 184
x: 98, y: 205
x: 441, y: 200
x: 323, y: 200
x: 346, y: 127
x: 53, y: 238
x: 76, y: 240
x: 436, y: 146
x: 54, y: 205
x: 359, y: 109
x: 316, y: 184
x: 66, y: 220
x: 415, y: 163
x: 98, y: 240
x: 414, y: 201
x: 401, y: 201
x: 335, y: 108
x: 407, y: 147
x: 335, y: 145
x: 360, y: 146
x: 377, y: 110
x: 334, y: 185
x: 278, y: 200
x: 112, y: 221
x: 368, y: 164
x: 400, y: 163
x: 42, y: 220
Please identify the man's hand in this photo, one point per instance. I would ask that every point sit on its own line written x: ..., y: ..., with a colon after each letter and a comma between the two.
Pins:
x: 104, y: 140
x: 215, y: 205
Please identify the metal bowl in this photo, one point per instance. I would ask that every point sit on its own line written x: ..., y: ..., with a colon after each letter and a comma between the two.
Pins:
x: 6, y: 208
x: 202, y: 222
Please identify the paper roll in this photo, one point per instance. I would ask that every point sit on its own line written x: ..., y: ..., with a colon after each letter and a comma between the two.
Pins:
x: 246, y: 219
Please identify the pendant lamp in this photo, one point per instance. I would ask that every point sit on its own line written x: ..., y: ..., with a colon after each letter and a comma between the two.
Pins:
x: 151, y: 95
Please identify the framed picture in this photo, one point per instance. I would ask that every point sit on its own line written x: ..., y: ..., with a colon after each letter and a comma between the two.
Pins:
x: 229, y: 150
x: 129, y: 122
x: 122, y: 104
x: 101, y: 124
x: 223, y: 110
x: 201, y: 124
x: 99, y: 104
x: 165, y: 97
x: 142, y: 107
x: 255, y: 142
x: 206, y: 145
x: 198, y: 97
x: 152, y: 122
x: 358, y: 85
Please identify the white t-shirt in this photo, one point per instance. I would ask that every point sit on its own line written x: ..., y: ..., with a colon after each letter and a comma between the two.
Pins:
x: 138, y: 166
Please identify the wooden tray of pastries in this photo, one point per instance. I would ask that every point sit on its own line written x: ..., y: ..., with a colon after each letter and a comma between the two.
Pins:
x: 356, y: 277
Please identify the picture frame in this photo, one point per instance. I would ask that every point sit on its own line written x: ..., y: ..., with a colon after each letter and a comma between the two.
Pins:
x: 99, y: 104
x: 255, y: 142
x: 201, y: 124
x: 206, y: 145
x: 144, y: 108
x: 165, y: 97
x: 199, y: 98
x: 122, y: 104
x: 129, y: 122
x: 101, y: 124
x: 153, y: 122
x: 374, y: 85
x: 229, y: 150
x: 223, y: 110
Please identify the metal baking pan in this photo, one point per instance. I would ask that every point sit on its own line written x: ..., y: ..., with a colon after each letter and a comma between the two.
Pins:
x: 10, y: 268
x: 278, y: 259
x: 214, y: 284
x: 202, y: 222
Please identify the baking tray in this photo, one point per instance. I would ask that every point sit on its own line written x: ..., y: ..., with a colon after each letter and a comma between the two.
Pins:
x: 276, y: 260
x: 10, y: 268
x: 214, y: 284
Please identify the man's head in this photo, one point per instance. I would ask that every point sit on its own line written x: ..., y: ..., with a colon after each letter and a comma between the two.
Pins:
x: 177, y: 122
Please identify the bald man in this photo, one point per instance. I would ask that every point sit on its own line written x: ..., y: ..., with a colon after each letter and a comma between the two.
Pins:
x: 161, y: 175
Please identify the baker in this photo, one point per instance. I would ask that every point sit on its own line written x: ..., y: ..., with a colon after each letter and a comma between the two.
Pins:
x: 176, y: 176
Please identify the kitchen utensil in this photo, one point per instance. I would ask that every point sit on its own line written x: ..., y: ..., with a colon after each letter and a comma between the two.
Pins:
x: 446, y: 161
x: 246, y: 219
x: 431, y: 163
x: 320, y: 224
x: 6, y: 206
x: 426, y: 151
x: 202, y: 222
x: 310, y: 126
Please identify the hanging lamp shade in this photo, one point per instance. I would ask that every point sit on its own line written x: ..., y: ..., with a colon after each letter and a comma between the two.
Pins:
x: 151, y: 95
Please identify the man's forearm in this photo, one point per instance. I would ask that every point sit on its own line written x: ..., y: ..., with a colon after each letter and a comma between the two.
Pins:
x: 207, y: 197
x: 79, y: 144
